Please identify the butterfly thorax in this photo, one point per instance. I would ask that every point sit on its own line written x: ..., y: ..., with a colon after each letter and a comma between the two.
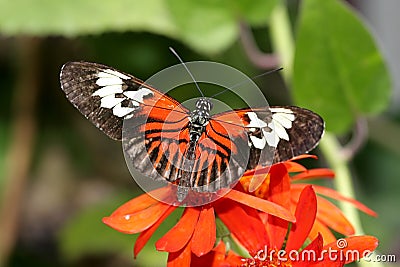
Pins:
x: 198, y: 119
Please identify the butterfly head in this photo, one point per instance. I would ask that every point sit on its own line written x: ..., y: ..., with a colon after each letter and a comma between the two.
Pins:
x: 200, y: 117
x: 203, y: 107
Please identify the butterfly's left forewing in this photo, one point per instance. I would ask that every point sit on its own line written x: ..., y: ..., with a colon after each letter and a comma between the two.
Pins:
x: 107, y: 96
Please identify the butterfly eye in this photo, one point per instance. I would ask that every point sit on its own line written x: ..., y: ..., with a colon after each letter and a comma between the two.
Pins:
x: 210, y: 105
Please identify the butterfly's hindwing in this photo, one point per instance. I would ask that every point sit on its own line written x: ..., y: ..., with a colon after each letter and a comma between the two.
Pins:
x: 155, y: 141
x: 221, y: 160
x: 158, y: 147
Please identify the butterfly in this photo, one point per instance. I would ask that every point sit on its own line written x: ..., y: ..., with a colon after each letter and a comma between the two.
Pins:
x: 194, y: 150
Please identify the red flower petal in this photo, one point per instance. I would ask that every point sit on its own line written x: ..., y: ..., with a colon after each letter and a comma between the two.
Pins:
x: 279, y: 186
x: 279, y: 193
x: 232, y: 259
x: 314, y: 173
x: 277, y: 230
x: 141, y: 202
x: 304, y: 156
x: 314, y: 248
x: 336, y: 195
x: 214, y: 258
x: 320, y: 228
x: 333, y: 217
x: 249, y: 231
x: 328, y: 263
x: 203, y: 239
x: 125, y: 221
x: 145, y: 235
x: 258, y: 171
x: 180, y: 258
x: 260, y: 204
x: 328, y: 213
x: 176, y: 238
x: 292, y: 166
x: 218, y: 257
x: 316, y: 245
x: 306, y: 211
x: 363, y: 245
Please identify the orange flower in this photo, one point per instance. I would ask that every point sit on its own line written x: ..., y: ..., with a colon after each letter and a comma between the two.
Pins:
x: 328, y: 215
x: 218, y: 257
x: 256, y: 221
x: 315, y: 254
x: 194, y: 234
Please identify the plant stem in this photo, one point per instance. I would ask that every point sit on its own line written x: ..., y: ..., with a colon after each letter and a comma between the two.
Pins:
x: 282, y: 39
x: 331, y: 150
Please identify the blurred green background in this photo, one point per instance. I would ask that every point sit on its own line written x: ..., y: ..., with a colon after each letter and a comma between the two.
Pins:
x: 59, y: 175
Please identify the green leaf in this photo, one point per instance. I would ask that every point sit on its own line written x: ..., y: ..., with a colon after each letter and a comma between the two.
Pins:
x: 75, y: 17
x: 338, y: 70
x: 254, y: 12
x: 211, y: 26
x: 206, y: 25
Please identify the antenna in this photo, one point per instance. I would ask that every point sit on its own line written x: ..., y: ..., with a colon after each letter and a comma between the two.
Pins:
x: 238, y: 84
x: 184, y: 65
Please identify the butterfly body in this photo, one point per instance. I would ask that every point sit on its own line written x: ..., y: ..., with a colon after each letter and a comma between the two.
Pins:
x: 191, y: 149
x: 198, y: 119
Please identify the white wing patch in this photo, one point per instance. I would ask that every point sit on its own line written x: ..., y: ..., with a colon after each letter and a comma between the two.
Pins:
x: 282, y: 119
x: 108, y: 90
x: 110, y: 83
x: 255, y: 122
x: 137, y: 96
x: 112, y: 73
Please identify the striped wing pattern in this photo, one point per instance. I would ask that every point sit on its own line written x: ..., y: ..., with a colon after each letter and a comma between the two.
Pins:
x: 156, y: 130
x: 156, y: 142
x: 157, y: 147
